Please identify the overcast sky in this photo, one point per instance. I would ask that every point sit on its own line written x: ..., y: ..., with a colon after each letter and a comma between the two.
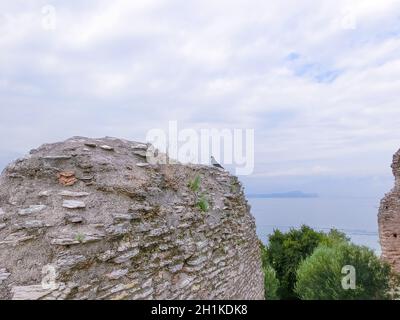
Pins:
x: 319, y: 81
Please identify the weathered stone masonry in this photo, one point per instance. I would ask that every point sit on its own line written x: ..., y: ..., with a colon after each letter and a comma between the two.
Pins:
x: 103, y: 223
x: 389, y: 220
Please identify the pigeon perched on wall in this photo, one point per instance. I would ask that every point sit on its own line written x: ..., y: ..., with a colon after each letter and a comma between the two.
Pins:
x: 215, y: 163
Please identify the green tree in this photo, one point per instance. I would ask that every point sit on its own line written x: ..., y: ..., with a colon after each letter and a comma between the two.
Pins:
x: 271, y: 283
x: 285, y: 252
x: 334, y: 237
x: 320, y: 275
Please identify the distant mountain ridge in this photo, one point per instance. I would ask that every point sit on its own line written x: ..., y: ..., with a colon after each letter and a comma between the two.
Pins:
x: 290, y: 194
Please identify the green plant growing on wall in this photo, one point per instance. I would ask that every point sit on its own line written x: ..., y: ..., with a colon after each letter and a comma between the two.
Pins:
x: 203, y: 204
x: 234, y: 188
x: 80, y: 238
x: 194, y: 185
x: 201, y: 199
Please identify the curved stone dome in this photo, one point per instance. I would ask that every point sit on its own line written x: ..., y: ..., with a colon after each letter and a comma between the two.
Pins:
x: 91, y: 219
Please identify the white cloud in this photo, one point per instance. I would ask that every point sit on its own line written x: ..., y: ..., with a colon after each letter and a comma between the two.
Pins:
x: 313, y: 89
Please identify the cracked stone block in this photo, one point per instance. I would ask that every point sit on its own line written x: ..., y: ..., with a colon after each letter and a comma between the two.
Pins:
x: 91, y: 144
x: 126, y: 256
x: 158, y: 232
x: 78, y: 238
x: 140, y: 153
x: 17, y: 237
x: 69, y: 260
x: 73, y: 204
x: 140, y: 146
x: 106, y: 147
x: 107, y: 255
x: 32, y: 209
x: 72, y: 194
x: 122, y: 217
x: 119, y: 229
x: 57, y: 157
x: 126, y: 245
x: 142, y: 164
x: 73, y: 218
x: 44, y: 193
x: 65, y: 241
x: 116, y: 274
x: 176, y: 268
x: 183, y: 280
x: 32, y: 224
x: 33, y: 292
x: 145, y: 294
x: 197, y: 261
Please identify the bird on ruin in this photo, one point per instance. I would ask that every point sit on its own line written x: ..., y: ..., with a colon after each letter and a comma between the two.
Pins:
x: 216, y: 164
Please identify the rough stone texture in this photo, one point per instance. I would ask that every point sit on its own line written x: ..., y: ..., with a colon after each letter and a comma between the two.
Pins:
x: 109, y: 225
x: 389, y: 220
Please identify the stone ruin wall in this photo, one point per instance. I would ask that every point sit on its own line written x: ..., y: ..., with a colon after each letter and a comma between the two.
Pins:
x: 389, y: 220
x: 91, y: 219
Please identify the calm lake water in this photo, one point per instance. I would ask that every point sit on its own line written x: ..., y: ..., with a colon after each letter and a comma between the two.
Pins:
x: 357, y: 217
